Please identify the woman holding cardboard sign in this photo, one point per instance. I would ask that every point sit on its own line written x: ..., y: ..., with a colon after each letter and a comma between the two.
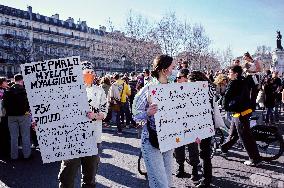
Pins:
x: 158, y: 165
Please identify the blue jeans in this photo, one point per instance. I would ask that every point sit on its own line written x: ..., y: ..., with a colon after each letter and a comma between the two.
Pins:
x: 277, y: 108
x: 22, y: 123
x: 158, y: 165
x: 269, y: 115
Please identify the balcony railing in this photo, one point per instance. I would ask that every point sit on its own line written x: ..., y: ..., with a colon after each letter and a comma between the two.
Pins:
x: 12, y: 36
x: 15, y: 25
x: 59, y: 43
x: 58, y: 33
x: 42, y: 30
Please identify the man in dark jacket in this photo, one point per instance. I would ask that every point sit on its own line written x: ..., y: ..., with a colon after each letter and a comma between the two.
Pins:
x: 237, y: 101
x: 16, y: 103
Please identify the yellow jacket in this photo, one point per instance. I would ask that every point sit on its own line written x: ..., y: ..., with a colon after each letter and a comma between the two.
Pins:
x: 125, y: 91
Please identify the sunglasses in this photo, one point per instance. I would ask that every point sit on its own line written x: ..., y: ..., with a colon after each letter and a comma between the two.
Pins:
x: 179, y: 77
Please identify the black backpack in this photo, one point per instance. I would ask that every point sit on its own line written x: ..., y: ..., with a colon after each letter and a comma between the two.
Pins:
x: 15, y: 101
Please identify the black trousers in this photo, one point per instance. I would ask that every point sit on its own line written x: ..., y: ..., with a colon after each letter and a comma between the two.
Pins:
x: 34, y: 137
x: 205, y: 154
x: 240, y: 128
x: 4, y: 138
x: 193, y: 153
x: 108, y: 117
x: 253, y: 95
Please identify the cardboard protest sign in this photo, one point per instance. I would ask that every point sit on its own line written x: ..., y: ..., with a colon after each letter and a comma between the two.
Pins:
x: 184, y: 113
x: 58, y: 102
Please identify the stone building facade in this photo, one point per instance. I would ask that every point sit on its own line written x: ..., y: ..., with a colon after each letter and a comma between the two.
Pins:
x: 26, y: 36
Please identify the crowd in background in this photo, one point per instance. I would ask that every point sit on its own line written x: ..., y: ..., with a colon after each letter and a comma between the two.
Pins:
x: 265, y: 90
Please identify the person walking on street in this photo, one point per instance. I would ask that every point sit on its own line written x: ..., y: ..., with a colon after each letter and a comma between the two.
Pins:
x: 118, y: 93
x: 204, y: 149
x: 252, y: 68
x: 237, y: 100
x: 192, y: 148
x: 277, y: 88
x: 16, y: 103
x: 97, y: 112
x: 5, y: 144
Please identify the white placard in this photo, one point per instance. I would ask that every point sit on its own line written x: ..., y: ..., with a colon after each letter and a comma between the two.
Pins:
x: 184, y: 115
x: 58, y: 102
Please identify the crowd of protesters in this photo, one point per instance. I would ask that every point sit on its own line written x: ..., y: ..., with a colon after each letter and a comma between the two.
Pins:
x: 124, y: 103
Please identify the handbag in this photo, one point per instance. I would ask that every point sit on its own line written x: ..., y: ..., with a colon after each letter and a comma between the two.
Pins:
x: 116, y: 104
x: 115, y: 107
x: 218, y: 120
x: 153, y: 136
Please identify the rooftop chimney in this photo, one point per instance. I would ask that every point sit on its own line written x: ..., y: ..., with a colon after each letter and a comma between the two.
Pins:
x: 102, y: 28
x: 56, y: 16
x: 70, y: 20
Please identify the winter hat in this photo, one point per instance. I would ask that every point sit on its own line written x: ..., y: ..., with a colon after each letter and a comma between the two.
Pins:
x: 87, y: 65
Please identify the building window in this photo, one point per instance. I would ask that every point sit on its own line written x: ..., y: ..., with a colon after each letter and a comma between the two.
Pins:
x: 18, y: 69
x: 6, y: 19
x: 9, y: 69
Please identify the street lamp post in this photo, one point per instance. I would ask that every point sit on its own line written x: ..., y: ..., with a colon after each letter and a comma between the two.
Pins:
x: 205, y: 69
x: 135, y: 68
x: 123, y: 58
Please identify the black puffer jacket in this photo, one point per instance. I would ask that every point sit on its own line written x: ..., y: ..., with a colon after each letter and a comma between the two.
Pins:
x: 15, y: 101
x: 237, y: 96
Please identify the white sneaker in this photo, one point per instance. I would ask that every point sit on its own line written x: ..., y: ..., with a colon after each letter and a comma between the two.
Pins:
x: 250, y: 163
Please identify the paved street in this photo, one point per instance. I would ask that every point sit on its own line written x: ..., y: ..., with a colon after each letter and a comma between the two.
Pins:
x: 118, y: 168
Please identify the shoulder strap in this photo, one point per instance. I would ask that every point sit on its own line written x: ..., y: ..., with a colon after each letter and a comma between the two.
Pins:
x: 122, y: 91
x: 148, y: 96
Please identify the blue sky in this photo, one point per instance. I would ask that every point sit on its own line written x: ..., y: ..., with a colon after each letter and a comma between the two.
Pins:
x: 243, y: 25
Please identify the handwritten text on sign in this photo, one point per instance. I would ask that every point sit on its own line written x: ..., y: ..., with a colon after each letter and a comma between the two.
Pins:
x: 184, y: 115
x: 59, y: 103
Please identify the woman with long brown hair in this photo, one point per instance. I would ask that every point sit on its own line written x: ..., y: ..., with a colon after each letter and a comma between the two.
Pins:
x: 158, y: 164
